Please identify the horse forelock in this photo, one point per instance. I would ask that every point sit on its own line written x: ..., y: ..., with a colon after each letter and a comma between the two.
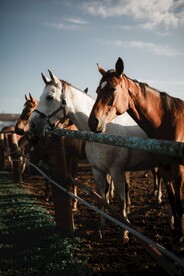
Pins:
x: 109, y: 75
x: 111, y: 78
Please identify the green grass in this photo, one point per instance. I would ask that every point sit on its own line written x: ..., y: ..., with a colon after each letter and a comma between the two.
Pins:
x: 30, y: 243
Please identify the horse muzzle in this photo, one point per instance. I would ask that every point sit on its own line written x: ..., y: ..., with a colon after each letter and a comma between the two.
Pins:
x: 96, y: 125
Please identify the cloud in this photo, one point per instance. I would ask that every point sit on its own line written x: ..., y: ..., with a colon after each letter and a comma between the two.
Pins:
x: 68, y: 24
x: 161, y: 50
x: 77, y: 21
x: 168, y: 13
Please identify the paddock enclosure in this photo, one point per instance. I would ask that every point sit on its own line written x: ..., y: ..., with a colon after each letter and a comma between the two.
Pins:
x: 108, y: 255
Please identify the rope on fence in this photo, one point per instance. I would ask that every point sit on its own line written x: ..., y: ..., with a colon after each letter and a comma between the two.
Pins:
x: 164, y: 147
x: 135, y: 233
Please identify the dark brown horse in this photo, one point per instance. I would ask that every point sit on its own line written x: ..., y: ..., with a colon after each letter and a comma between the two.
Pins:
x: 158, y: 114
x: 6, y: 132
x: 74, y: 149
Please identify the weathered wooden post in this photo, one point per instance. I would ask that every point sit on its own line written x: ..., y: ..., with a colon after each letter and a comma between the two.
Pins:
x: 2, y: 154
x: 15, y: 156
x: 62, y: 201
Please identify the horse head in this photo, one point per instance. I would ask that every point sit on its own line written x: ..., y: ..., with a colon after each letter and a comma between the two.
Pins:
x: 22, y: 124
x: 51, y: 107
x: 108, y: 105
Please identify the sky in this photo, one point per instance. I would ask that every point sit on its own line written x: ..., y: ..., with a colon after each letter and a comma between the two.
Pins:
x: 70, y: 37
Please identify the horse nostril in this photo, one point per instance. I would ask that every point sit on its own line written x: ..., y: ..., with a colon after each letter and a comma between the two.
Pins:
x: 93, y: 124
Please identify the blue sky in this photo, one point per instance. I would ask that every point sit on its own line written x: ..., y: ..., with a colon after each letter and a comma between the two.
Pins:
x: 70, y: 37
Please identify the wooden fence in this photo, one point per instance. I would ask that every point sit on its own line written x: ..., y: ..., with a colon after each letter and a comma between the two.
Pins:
x: 168, y: 148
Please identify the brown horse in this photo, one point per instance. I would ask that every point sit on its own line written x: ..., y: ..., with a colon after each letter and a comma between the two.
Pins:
x: 158, y: 114
x: 74, y: 149
x: 22, y: 124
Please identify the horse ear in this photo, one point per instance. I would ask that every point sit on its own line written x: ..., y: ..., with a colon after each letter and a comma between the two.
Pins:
x: 54, y: 78
x: 119, y: 67
x: 45, y: 79
x: 101, y: 70
x: 26, y: 98
x: 31, y: 98
x: 86, y: 90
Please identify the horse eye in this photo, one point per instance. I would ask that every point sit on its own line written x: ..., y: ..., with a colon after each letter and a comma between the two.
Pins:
x: 49, y: 97
x: 113, y: 89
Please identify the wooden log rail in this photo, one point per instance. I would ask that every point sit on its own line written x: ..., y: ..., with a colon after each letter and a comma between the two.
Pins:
x: 163, y: 147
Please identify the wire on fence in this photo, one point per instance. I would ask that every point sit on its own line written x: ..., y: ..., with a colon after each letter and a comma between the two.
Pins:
x: 107, y: 216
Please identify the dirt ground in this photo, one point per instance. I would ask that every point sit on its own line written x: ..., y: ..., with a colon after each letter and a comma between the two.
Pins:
x: 109, y: 255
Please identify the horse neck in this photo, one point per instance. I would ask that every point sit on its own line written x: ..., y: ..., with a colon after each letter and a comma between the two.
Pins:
x: 80, y: 107
x: 144, y: 106
x: 23, y: 121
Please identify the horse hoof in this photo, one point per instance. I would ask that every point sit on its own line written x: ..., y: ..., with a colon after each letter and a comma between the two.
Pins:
x: 99, y: 235
x: 123, y: 237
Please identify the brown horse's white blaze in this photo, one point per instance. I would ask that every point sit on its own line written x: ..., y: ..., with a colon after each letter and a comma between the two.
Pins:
x: 158, y: 114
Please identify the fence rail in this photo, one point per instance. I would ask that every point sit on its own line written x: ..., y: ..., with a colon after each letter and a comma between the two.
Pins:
x: 164, y: 147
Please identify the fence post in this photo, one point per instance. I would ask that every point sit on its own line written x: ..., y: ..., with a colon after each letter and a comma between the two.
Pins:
x: 62, y: 201
x: 2, y: 154
x: 16, y: 165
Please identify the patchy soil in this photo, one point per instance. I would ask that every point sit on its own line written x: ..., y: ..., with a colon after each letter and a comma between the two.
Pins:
x: 109, y: 256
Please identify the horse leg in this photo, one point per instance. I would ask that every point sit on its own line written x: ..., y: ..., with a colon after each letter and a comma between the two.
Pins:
x: 127, y: 187
x: 159, y: 181
x: 174, y: 189
x: 171, y: 197
x: 109, y: 192
x: 157, y: 184
x: 100, y: 181
x: 120, y: 192
x: 179, y: 224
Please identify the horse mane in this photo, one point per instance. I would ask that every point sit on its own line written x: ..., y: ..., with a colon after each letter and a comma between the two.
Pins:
x: 172, y: 104
x: 168, y: 103
x: 82, y: 91
x: 68, y: 83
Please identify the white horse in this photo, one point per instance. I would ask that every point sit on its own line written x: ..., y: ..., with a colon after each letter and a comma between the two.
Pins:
x: 60, y: 99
